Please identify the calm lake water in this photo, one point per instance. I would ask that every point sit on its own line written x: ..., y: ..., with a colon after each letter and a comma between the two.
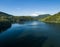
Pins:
x: 31, y: 34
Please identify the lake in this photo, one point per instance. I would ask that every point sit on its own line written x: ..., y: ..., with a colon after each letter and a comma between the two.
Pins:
x: 31, y: 34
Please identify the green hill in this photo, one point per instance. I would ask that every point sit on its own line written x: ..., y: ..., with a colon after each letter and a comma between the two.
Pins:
x: 52, y: 19
x: 43, y: 16
x: 39, y: 17
x: 14, y: 19
x: 5, y: 17
x: 4, y: 14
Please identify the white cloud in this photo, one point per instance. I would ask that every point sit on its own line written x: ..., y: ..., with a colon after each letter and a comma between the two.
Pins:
x: 34, y: 14
x: 38, y: 13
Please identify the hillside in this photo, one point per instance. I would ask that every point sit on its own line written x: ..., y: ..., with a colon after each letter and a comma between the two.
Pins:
x: 5, y: 17
x: 4, y: 14
x: 43, y: 15
x: 52, y: 19
x: 39, y: 17
x: 10, y: 18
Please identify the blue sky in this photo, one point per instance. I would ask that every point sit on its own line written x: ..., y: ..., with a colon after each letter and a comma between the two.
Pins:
x: 30, y: 7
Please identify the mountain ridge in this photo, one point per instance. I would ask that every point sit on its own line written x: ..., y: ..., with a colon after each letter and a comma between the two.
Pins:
x: 52, y: 19
x: 4, y: 14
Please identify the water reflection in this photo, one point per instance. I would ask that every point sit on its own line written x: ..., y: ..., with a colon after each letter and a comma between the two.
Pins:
x: 31, y: 34
x: 4, y: 26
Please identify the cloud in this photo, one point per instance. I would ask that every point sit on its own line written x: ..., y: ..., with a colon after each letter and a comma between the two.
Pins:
x: 38, y: 13
x: 34, y: 14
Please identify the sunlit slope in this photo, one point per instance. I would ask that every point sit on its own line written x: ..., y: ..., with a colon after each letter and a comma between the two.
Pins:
x: 54, y: 18
x: 4, y: 17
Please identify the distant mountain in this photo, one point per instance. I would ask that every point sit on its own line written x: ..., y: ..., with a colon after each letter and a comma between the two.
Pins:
x: 43, y: 15
x: 54, y: 18
x: 4, y: 14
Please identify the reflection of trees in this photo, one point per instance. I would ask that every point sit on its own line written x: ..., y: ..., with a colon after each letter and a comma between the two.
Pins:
x: 4, y: 26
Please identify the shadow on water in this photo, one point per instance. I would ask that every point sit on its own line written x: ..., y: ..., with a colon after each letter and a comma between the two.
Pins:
x: 4, y: 26
x: 26, y: 41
